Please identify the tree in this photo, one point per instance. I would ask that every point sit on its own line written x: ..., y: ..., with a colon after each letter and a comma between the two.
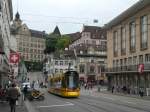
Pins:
x: 51, y: 41
x: 63, y: 42
x: 56, y: 43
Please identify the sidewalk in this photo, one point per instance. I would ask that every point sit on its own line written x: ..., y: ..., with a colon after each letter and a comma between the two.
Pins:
x: 95, y: 91
x: 4, y: 106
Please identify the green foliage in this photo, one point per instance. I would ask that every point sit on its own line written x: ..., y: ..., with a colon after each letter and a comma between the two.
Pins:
x: 63, y: 42
x: 56, y: 43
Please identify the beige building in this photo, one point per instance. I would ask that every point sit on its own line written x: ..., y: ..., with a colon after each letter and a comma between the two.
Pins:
x: 128, y: 46
x: 90, y: 50
x: 6, y: 16
x: 30, y: 43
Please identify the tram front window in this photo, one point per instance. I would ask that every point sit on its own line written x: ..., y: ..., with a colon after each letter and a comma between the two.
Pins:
x: 72, y: 81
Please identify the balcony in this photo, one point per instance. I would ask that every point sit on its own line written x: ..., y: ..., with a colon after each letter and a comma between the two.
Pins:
x: 127, y: 69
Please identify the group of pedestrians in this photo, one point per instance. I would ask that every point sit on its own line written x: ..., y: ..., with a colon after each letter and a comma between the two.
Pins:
x: 88, y: 85
x: 12, y: 94
x: 126, y: 90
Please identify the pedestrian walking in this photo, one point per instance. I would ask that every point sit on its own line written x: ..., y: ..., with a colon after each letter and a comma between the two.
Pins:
x: 112, y: 89
x: 18, y: 88
x: 13, y: 95
x: 141, y: 92
x: 25, y: 92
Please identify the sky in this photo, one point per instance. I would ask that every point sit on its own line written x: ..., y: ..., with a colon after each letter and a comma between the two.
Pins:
x: 68, y: 15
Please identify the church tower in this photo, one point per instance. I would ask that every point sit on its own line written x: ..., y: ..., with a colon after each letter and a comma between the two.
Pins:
x: 17, y: 21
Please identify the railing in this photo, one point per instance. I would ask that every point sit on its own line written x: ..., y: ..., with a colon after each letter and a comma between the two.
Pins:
x: 129, y: 68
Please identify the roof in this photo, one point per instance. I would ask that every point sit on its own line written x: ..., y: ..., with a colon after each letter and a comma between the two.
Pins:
x: 39, y: 34
x: 96, y: 32
x: 74, y: 36
x: 129, y: 12
x: 56, y: 31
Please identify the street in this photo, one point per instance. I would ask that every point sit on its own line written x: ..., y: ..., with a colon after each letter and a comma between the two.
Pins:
x: 89, y: 101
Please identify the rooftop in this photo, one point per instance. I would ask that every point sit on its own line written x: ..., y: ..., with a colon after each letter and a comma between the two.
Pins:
x: 129, y: 12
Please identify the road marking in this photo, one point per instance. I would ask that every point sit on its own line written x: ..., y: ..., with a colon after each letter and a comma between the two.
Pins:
x: 49, y: 106
x: 108, y: 98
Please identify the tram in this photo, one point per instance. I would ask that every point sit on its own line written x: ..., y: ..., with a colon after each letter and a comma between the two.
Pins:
x: 64, y: 84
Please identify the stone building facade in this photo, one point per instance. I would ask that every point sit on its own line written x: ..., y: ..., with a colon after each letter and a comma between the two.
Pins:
x: 128, y: 46
x: 90, y: 50
x: 30, y: 43
x: 6, y: 16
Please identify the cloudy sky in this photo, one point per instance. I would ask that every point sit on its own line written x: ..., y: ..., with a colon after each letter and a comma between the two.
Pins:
x: 69, y: 15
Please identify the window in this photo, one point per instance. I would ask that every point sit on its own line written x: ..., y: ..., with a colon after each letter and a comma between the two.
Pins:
x: 147, y: 58
x: 115, y: 43
x: 82, y: 68
x: 99, y: 69
x: 132, y: 36
x: 144, y: 32
x: 56, y: 62
x: 134, y: 60
x: 66, y: 62
x: 71, y: 62
x: 93, y: 42
x: 123, y: 40
x: 130, y: 61
x: 114, y: 63
x: 61, y: 62
x: 121, y: 62
x: 61, y: 70
x: 56, y: 70
x: 117, y: 63
x: 125, y: 62
x: 92, y: 69
x: 140, y: 59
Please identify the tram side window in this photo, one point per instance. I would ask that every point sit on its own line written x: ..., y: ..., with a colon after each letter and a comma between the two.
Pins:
x: 63, y: 82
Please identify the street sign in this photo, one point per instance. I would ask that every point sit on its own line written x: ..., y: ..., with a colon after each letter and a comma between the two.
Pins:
x: 140, y: 68
x: 14, y: 58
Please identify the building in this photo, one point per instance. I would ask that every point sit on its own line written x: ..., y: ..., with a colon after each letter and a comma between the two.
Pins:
x: 128, y: 46
x: 90, y: 50
x: 6, y: 16
x: 60, y: 62
x: 30, y: 43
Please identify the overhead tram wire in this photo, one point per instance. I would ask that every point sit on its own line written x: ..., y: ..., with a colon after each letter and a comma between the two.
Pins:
x: 54, y: 22
x: 59, y: 17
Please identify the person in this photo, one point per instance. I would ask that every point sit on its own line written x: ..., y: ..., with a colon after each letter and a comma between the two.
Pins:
x: 112, y: 89
x: 13, y: 95
x: 141, y: 92
x: 25, y: 92
x: 1, y: 92
x: 17, y: 87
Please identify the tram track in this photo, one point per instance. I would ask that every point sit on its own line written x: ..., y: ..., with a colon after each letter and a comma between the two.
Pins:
x: 94, y: 102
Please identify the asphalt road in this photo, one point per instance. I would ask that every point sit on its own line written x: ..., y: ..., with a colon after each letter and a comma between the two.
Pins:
x: 89, y: 102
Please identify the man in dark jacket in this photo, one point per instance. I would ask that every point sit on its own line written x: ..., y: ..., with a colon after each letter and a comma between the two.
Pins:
x: 25, y: 91
x: 13, y: 95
